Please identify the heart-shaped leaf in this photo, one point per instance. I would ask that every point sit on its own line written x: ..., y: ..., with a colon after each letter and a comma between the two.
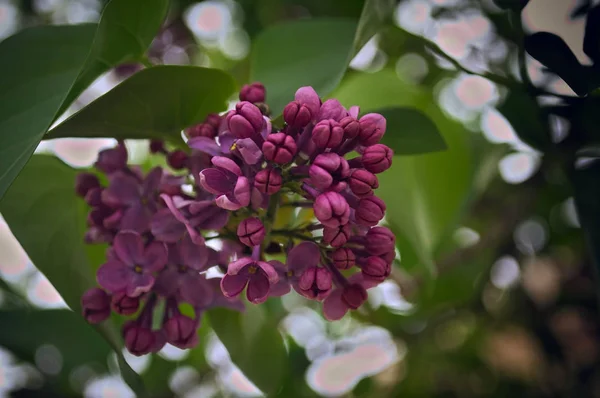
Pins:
x: 156, y: 102
x: 410, y: 132
x: 373, y: 16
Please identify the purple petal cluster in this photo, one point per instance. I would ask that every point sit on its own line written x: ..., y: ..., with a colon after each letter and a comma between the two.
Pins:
x: 234, y: 186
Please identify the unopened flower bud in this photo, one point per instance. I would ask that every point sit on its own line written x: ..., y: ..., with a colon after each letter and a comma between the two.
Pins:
x: 268, y: 181
x: 315, y: 283
x: 370, y: 211
x: 351, y: 127
x: 202, y: 130
x: 125, y: 305
x: 279, y: 148
x: 362, y: 182
x: 327, y: 169
x: 379, y: 241
x: 372, y: 128
x: 331, y: 209
x: 157, y: 146
x: 376, y: 268
x: 251, y: 232
x: 377, y: 158
x: 254, y: 92
x: 327, y: 134
x: 245, y: 121
x: 336, y: 237
x: 177, y: 159
x: 213, y: 119
x: 84, y: 182
x: 296, y: 114
x: 180, y: 331
x: 354, y: 296
x: 95, y: 305
x: 343, y: 258
x: 139, y: 340
x: 113, y: 159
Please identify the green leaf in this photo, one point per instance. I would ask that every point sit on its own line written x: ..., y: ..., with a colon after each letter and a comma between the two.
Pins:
x: 515, y: 5
x: 553, y: 52
x: 46, y: 217
x: 38, y: 68
x: 312, y: 52
x: 254, y: 344
x: 126, y: 29
x: 411, y: 132
x: 156, y: 102
x: 523, y: 113
x: 425, y: 193
x: 373, y: 16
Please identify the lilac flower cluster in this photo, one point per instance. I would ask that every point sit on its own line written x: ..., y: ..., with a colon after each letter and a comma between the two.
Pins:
x: 233, y: 183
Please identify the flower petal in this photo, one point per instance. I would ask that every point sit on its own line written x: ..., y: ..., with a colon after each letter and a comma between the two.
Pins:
x: 139, y: 283
x: 196, y: 291
x: 258, y: 288
x: 129, y: 247
x: 206, y: 145
x: 123, y: 189
x: 152, y: 181
x: 192, y: 255
x: 224, y: 202
x: 136, y: 218
x: 281, y: 288
x: 113, y: 276
x: 227, y: 164
x: 215, y: 181
x: 165, y: 227
x: 242, y: 191
x: 334, y: 307
x: 308, y: 96
x: 155, y: 257
x: 167, y: 281
x: 270, y: 272
x: 303, y: 255
x: 354, y: 111
x: 250, y: 152
x: 235, y: 267
x: 232, y: 285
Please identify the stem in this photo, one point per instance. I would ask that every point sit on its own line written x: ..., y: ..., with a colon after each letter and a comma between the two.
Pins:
x: 522, y: 57
x: 269, y: 219
x: 298, y: 204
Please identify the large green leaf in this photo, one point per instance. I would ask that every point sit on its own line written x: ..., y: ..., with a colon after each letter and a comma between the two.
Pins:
x: 125, y: 31
x: 311, y: 52
x: 373, y: 16
x: 38, y: 68
x: 410, y: 132
x: 424, y: 193
x: 254, y: 344
x: 154, y: 103
x: 48, y: 220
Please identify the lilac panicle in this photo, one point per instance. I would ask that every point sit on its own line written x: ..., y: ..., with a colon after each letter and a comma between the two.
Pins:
x: 248, y: 183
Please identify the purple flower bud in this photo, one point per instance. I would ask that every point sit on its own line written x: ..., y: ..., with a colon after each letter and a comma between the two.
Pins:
x: 180, y: 331
x: 84, y: 182
x: 336, y: 237
x: 327, y: 134
x: 354, y: 295
x: 327, y: 169
x: 315, y: 283
x: 279, y: 148
x: 177, y: 159
x: 254, y: 92
x: 377, y: 158
x: 370, y: 211
x: 331, y: 209
x: 296, y: 114
x: 351, y: 127
x: 379, y: 241
x: 245, y: 121
x: 343, y: 258
x: 251, y: 231
x: 125, y: 305
x: 157, y: 146
x: 372, y: 128
x: 376, y: 268
x: 213, y: 120
x: 138, y: 339
x: 332, y: 109
x: 362, y: 182
x: 93, y: 197
x: 268, y: 181
x: 308, y: 96
x: 202, y: 130
x: 95, y: 305
x: 113, y: 159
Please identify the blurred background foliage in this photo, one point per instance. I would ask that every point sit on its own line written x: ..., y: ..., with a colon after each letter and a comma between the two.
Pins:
x: 494, y: 292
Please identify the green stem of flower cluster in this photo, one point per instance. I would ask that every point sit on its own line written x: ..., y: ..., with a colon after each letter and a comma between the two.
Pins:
x: 269, y: 219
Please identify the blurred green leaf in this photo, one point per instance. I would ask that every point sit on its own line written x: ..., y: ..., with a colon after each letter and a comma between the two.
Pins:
x: 44, y: 214
x: 156, y: 102
x: 515, y: 5
x: 424, y: 193
x: 373, y: 16
x: 523, y: 113
x: 554, y: 53
x: 39, y: 66
x: 125, y: 31
x: 311, y: 52
x: 410, y: 132
x: 254, y: 344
